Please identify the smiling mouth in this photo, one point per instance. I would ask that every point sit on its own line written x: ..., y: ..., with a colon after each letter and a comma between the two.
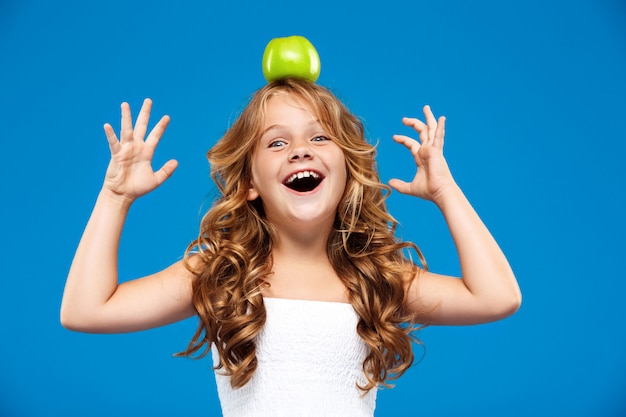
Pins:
x: 304, y: 181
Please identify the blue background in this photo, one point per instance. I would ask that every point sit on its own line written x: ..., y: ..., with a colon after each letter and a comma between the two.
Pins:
x: 534, y: 92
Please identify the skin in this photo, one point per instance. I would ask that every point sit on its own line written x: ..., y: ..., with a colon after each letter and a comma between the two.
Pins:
x: 294, y: 141
x: 94, y: 301
x: 488, y: 290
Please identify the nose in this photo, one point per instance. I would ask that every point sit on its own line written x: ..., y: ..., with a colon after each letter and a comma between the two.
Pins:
x: 300, y: 150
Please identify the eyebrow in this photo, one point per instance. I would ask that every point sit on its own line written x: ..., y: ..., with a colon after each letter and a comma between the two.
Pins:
x: 278, y: 126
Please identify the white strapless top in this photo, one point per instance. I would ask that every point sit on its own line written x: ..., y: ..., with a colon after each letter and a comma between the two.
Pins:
x: 310, y: 359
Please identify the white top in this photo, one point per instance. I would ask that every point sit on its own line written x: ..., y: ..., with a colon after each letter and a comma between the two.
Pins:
x: 310, y: 359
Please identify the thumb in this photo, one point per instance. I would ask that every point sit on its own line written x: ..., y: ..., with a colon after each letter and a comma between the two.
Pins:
x: 166, y: 171
x: 400, y: 186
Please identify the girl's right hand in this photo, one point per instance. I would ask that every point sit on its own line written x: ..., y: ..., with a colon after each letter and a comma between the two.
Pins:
x: 130, y: 174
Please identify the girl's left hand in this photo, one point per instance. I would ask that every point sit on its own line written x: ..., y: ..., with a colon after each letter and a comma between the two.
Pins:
x: 433, y: 175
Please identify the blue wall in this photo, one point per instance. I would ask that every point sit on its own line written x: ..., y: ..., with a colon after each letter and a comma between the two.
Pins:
x: 534, y: 93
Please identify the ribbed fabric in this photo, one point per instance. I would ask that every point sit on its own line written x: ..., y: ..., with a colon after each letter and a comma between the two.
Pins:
x: 310, y: 360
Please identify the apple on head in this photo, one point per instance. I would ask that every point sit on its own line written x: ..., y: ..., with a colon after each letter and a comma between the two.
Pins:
x: 292, y: 56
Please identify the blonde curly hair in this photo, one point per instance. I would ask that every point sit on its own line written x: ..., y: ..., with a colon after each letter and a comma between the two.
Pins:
x: 235, y: 247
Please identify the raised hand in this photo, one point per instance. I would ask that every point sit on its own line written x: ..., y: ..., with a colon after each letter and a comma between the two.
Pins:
x: 433, y: 175
x: 130, y: 174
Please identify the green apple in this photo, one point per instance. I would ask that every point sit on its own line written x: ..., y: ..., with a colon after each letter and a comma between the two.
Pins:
x: 293, y: 56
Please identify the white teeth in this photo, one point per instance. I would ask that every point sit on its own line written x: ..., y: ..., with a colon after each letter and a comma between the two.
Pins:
x: 302, y: 174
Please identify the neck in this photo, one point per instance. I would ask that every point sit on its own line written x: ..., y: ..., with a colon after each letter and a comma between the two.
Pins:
x: 301, y: 246
x: 302, y: 269
x: 302, y: 239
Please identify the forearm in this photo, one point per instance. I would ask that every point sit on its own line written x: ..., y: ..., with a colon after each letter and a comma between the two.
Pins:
x: 485, y: 270
x: 93, y: 276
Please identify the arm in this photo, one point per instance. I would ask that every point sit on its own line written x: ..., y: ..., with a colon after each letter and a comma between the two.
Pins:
x: 93, y: 301
x: 487, y: 290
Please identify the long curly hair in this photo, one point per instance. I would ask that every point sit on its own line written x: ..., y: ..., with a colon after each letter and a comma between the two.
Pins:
x: 235, y: 247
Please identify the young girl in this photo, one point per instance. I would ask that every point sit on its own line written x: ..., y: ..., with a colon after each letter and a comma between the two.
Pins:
x: 305, y: 297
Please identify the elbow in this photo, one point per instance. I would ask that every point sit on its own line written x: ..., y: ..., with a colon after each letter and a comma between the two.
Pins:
x: 69, y: 315
x: 508, y: 305
x: 79, y: 326
x: 513, y: 306
x: 515, y: 300
x: 69, y: 321
x: 508, y: 300
x: 75, y: 321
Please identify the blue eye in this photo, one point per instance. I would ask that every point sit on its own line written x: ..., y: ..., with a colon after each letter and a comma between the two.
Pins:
x: 319, y: 138
x: 276, y: 143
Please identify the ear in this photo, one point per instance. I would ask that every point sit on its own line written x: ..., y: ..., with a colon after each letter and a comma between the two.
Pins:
x: 253, y: 194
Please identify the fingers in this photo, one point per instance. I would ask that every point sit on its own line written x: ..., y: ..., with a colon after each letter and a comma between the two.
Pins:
x: 440, y: 133
x: 408, y: 142
x: 157, y: 132
x: 431, y: 122
x: 114, y: 144
x: 141, y: 124
x: 126, y: 131
x: 129, y: 133
x: 436, y: 128
x: 432, y: 131
x: 405, y: 140
x: 416, y: 124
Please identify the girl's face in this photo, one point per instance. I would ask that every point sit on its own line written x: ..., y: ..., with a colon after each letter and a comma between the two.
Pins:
x: 297, y: 170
